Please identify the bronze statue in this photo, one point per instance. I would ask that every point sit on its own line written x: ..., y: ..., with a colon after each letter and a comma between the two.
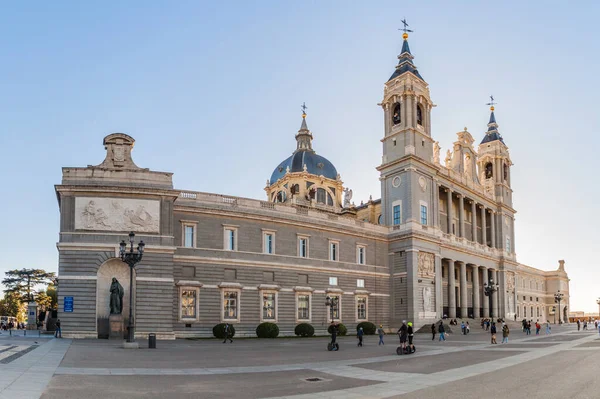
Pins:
x: 116, y: 297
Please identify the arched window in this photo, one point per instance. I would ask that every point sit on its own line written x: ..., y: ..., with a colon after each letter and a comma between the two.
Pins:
x: 396, y: 114
x: 489, y: 170
x: 532, y: 311
x: 419, y: 115
x: 295, y: 189
x: 329, y: 200
x: 321, y: 196
x: 505, y: 172
x: 524, y: 311
x: 281, y: 196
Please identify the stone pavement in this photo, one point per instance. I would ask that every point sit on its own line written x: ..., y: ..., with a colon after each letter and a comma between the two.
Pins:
x: 302, y: 368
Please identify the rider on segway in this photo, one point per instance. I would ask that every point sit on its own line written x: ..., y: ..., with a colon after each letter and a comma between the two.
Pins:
x: 409, y: 330
x: 403, y: 333
x: 334, y: 331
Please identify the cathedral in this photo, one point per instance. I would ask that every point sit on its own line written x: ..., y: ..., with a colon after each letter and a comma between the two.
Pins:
x: 439, y: 242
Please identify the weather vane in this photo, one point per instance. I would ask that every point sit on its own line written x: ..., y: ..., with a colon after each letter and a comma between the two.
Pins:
x: 304, y: 107
x: 405, y: 29
x: 491, y: 103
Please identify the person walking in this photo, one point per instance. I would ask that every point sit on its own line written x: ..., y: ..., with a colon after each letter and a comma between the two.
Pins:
x: 505, y: 332
x: 467, y: 328
x: 493, y: 332
x: 463, y: 330
x: 381, y: 334
x: 442, y: 331
x: 578, y: 325
x: 432, y: 331
x: 228, y: 333
x: 410, y: 333
x: 333, y: 335
x: 359, y: 335
x: 548, y: 331
x: 58, y: 332
x: 537, y: 328
x: 528, y: 328
x: 403, y: 334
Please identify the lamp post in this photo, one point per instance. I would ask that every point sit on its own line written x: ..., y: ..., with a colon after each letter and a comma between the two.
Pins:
x: 557, y: 298
x: 331, y: 302
x: 488, y: 290
x: 554, y: 311
x: 131, y: 257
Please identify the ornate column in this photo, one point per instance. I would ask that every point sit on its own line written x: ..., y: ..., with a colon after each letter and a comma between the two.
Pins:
x: 451, y: 289
x: 493, y: 227
x: 483, y: 227
x: 449, y: 210
x: 461, y: 215
x: 495, y: 310
x: 474, y: 220
x: 486, y: 302
x: 476, y: 306
x: 464, y: 304
x: 436, y: 204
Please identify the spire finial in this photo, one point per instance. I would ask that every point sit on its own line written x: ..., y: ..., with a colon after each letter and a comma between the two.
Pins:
x: 491, y: 103
x: 304, y: 107
x: 405, y: 29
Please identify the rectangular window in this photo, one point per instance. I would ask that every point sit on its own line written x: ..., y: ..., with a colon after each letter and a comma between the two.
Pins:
x: 230, y: 305
x: 396, y: 211
x: 334, y: 311
x: 333, y: 281
x: 507, y: 244
x: 424, y: 215
x: 188, y: 240
x: 269, y: 243
x: 268, y: 301
x: 361, y: 310
x: 303, y: 247
x: 333, y: 251
x: 189, y: 304
x: 230, y: 239
x: 360, y: 283
x: 303, y: 307
x: 360, y: 255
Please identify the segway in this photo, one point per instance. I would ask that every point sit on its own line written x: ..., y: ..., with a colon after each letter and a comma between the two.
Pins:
x: 407, y: 351
x: 333, y: 347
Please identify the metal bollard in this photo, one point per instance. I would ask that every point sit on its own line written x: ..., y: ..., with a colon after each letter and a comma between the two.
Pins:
x: 152, y: 341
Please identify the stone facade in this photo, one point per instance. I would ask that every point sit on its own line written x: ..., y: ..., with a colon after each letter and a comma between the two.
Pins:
x: 426, y: 249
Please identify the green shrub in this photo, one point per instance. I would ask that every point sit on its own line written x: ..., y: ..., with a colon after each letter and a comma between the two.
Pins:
x: 342, y: 330
x: 219, y: 330
x: 368, y: 327
x: 304, y: 330
x: 267, y: 330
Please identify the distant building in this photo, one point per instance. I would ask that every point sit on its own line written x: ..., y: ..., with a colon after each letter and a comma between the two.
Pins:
x: 441, y: 231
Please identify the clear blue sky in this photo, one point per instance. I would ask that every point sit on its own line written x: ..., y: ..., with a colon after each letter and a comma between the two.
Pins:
x: 212, y: 91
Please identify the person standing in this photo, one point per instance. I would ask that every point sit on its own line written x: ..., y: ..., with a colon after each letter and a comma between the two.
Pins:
x: 432, y: 331
x: 548, y: 331
x: 467, y: 328
x: 442, y: 331
x: 333, y: 335
x: 228, y: 333
x: 578, y: 325
x: 58, y: 332
x: 462, y: 328
x: 537, y: 328
x: 505, y: 332
x: 493, y: 332
x: 381, y: 334
x: 403, y: 334
x: 359, y: 335
x: 410, y: 333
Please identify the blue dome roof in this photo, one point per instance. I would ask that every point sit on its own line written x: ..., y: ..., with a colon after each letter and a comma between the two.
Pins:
x: 315, y: 164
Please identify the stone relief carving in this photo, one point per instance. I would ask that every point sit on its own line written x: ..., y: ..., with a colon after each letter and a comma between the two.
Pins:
x: 422, y: 183
x: 426, y: 263
x: 427, y: 300
x: 468, y: 167
x: 510, y: 282
x: 116, y: 214
x: 396, y: 181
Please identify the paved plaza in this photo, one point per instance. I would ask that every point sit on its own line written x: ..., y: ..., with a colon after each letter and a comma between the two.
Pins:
x: 561, y: 365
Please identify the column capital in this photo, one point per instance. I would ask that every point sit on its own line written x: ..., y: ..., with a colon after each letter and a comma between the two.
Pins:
x: 459, y: 195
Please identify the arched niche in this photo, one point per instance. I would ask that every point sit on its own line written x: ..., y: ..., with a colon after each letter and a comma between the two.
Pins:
x: 109, y: 269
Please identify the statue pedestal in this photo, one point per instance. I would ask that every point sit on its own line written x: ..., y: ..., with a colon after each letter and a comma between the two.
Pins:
x: 117, y: 329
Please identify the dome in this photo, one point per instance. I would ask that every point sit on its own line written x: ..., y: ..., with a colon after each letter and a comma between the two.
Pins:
x: 315, y: 164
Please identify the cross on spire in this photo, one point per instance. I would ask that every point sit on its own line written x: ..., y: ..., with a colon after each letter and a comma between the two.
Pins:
x: 491, y: 103
x: 303, y: 107
x: 405, y: 29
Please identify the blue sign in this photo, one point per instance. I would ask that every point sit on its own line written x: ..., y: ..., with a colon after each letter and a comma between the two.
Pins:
x: 68, y: 304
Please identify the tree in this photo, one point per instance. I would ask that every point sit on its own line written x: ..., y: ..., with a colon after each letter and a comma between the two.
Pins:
x: 51, y: 291
x: 11, y: 306
x: 21, y: 282
x: 44, y: 300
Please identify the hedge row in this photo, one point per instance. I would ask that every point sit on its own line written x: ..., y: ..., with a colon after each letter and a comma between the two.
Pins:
x: 271, y: 330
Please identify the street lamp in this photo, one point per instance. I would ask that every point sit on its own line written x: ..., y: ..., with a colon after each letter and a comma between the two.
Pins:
x: 131, y: 258
x: 488, y: 290
x: 331, y: 302
x: 554, y: 311
x: 557, y: 298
